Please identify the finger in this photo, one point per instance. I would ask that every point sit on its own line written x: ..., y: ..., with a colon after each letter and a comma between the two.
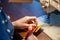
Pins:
x: 31, y: 25
x: 26, y: 25
x: 30, y: 17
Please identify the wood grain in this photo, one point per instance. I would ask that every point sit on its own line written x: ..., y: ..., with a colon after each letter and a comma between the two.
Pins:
x: 20, y: 0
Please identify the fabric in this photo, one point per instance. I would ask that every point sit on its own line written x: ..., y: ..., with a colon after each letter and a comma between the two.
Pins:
x: 6, y: 28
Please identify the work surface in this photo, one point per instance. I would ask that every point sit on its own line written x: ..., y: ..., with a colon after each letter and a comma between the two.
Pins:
x: 43, y: 36
x: 40, y: 35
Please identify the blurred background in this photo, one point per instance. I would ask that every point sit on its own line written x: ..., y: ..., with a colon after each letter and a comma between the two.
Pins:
x: 52, y: 28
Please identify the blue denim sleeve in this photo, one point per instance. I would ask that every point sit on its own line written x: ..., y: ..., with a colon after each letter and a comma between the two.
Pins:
x: 6, y: 28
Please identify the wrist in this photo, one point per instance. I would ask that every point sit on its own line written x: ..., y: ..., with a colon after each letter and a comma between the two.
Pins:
x: 13, y: 23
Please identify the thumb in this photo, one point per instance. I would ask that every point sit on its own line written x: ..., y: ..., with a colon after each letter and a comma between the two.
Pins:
x: 31, y: 25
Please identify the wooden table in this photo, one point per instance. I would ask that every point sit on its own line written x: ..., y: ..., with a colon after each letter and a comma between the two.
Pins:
x: 40, y: 35
x: 43, y: 36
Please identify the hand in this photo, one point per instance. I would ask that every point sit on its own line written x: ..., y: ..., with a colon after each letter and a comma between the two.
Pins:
x: 24, y: 22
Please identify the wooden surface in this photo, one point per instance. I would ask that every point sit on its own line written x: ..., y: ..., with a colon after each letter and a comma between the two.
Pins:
x: 40, y: 35
x: 20, y: 0
x: 43, y: 36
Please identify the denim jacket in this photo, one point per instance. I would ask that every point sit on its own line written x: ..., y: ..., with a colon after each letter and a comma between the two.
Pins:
x: 6, y: 28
